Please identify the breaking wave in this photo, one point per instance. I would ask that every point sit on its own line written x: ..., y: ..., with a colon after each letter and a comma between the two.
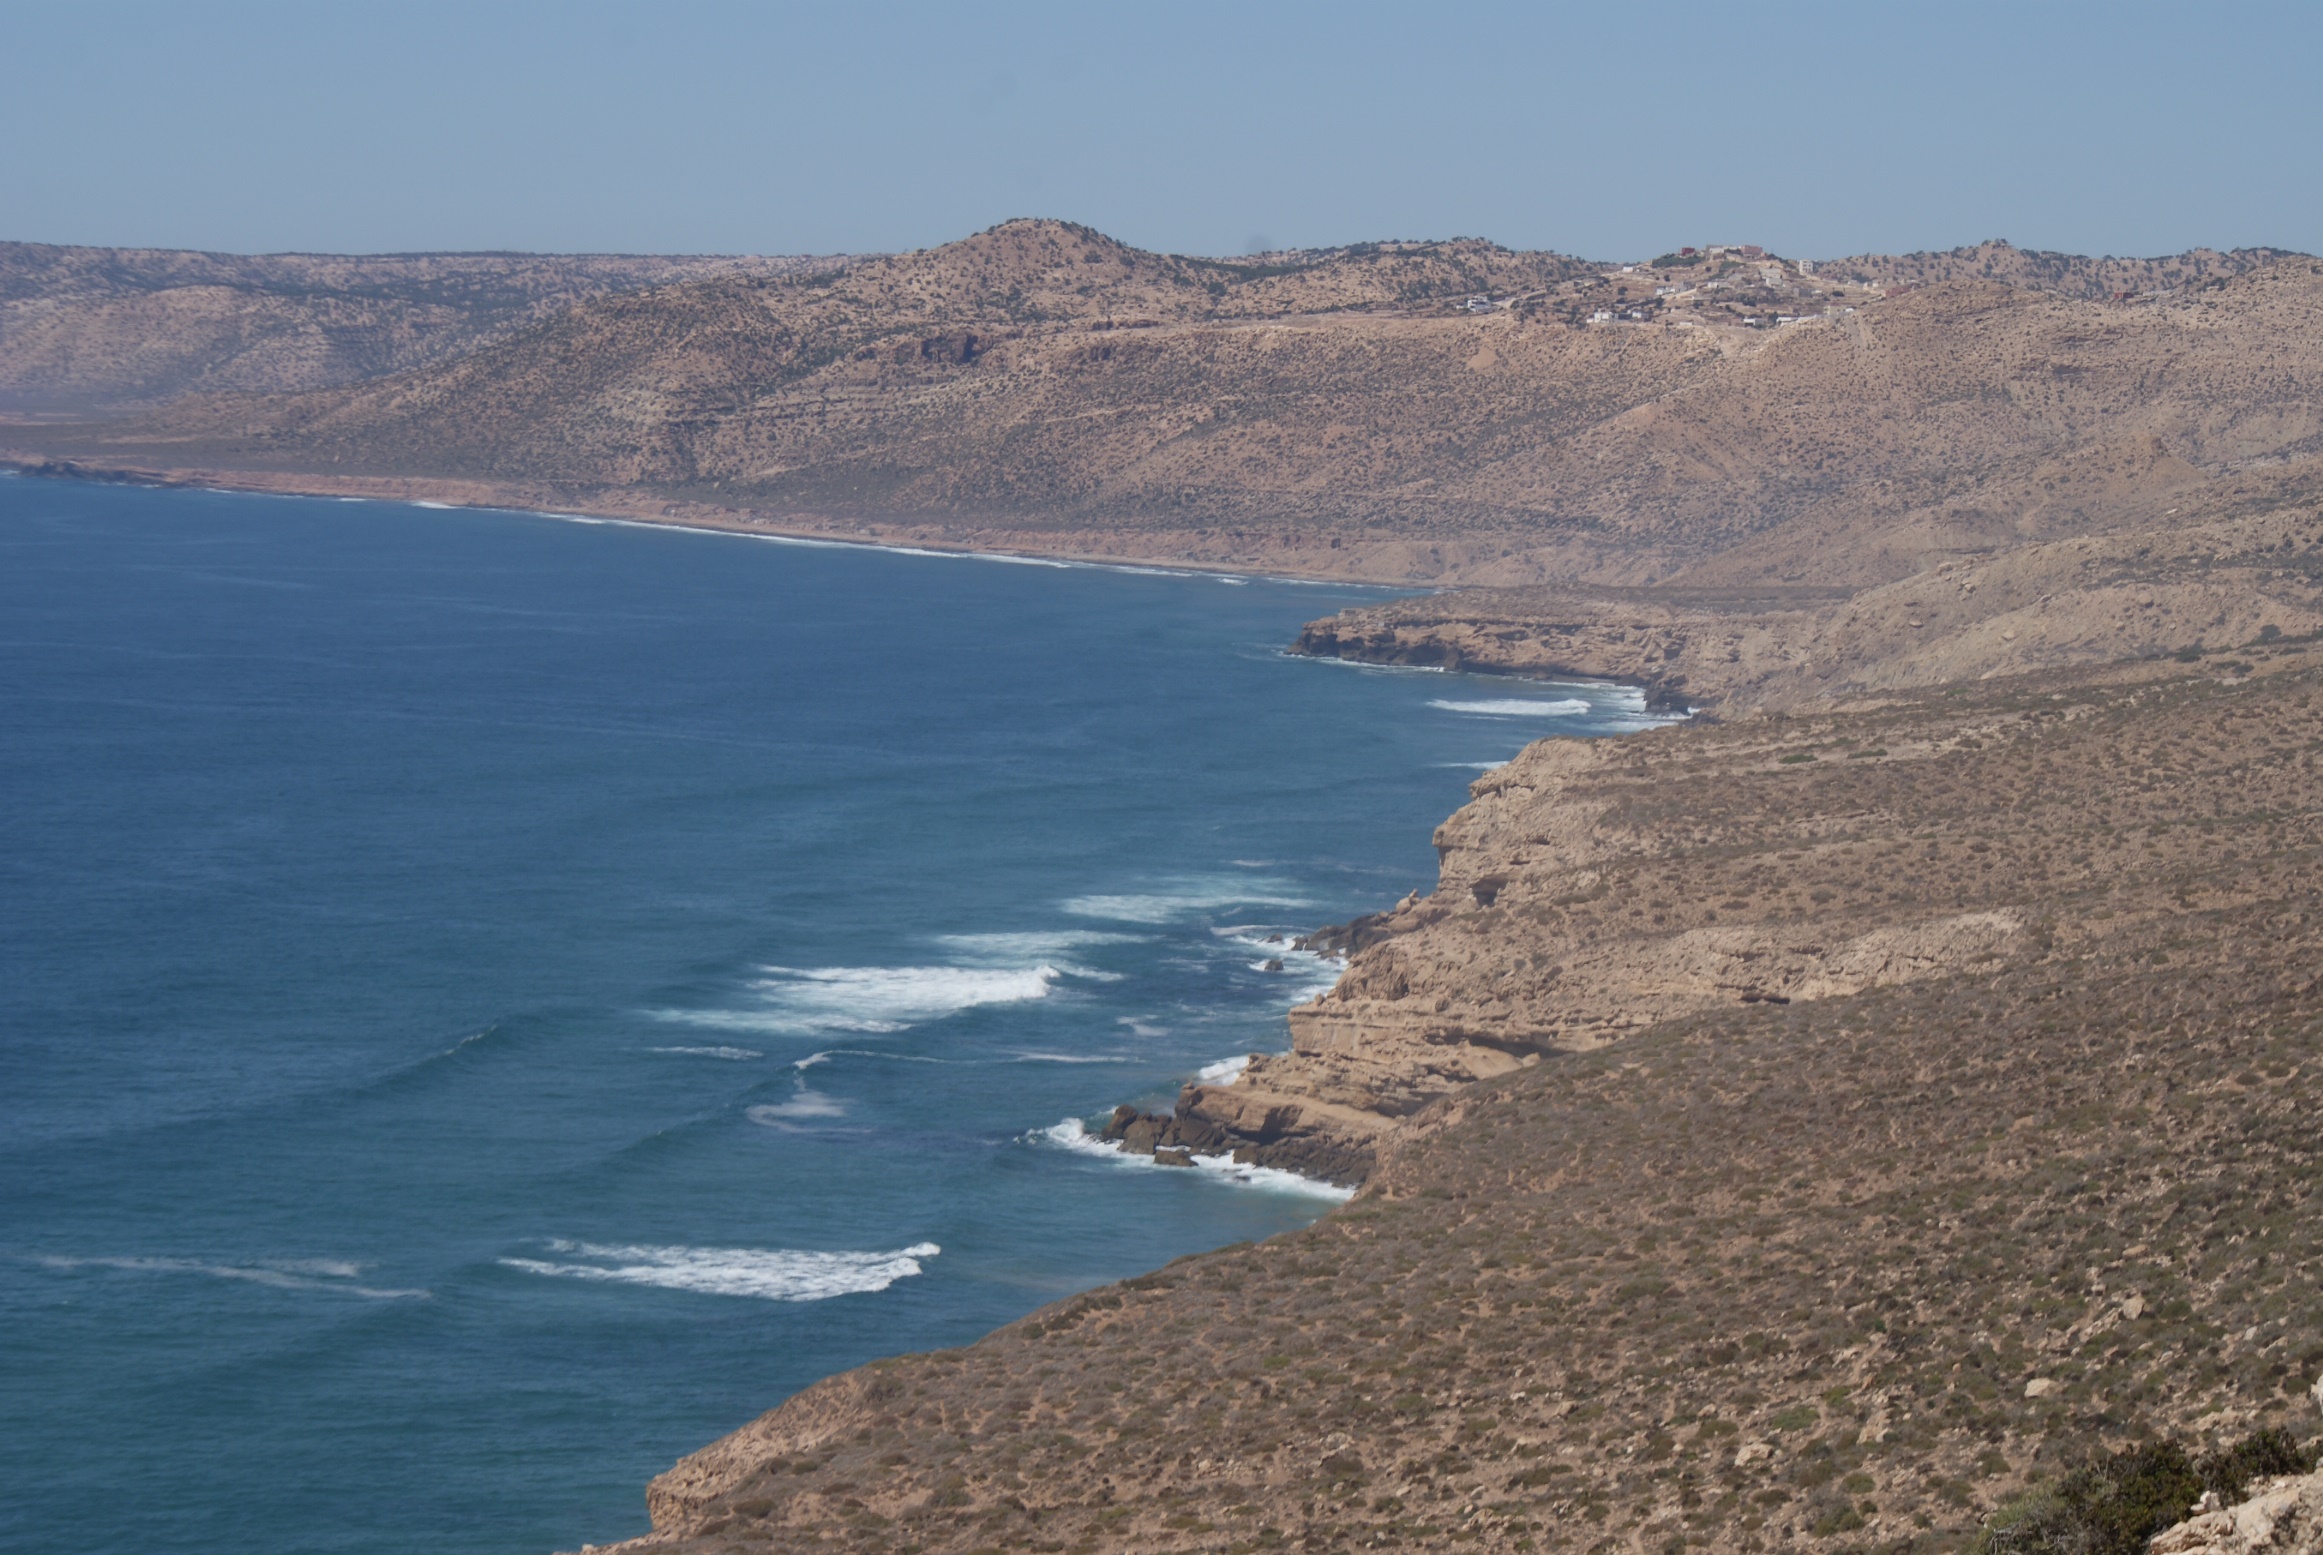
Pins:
x: 816, y: 1001
x: 1515, y: 707
x: 1074, y: 1135
x: 770, y: 1274
x: 1182, y: 899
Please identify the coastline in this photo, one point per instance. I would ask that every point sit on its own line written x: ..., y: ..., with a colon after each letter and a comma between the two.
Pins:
x: 1736, y: 914
x: 1645, y: 1221
x: 1186, y: 550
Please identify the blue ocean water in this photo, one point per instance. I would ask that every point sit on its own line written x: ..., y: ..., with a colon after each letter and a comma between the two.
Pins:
x: 493, y: 1002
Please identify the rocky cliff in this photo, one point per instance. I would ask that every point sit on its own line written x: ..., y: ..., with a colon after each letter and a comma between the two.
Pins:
x: 1819, y: 1131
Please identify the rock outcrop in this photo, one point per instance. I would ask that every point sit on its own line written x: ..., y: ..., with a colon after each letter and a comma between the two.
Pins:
x: 1993, y: 611
x: 2279, y: 1517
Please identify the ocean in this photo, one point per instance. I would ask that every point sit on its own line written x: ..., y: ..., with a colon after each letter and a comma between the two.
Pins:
x: 494, y: 1001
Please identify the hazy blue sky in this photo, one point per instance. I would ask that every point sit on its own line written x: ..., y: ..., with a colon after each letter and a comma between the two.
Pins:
x: 1615, y: 129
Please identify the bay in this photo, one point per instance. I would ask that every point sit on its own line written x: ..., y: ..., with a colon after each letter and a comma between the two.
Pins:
x: 493, y: 1001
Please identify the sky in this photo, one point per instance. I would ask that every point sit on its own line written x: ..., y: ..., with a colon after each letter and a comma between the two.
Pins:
x: 1614, y: 130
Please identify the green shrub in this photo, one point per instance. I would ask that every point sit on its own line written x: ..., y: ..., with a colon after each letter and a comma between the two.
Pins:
x: 2260, y: 1455
x: 2110, y: 1507
x: 2113, y: 1506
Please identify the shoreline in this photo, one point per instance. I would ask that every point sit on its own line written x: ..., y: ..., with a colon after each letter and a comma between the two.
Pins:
x: 896, y: 534
x: 1332, y: 1147
x: 1544, y: 1244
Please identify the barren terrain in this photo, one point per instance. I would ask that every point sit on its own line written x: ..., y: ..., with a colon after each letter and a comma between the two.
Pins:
x: 1445, y: 412
x: 103, y: 329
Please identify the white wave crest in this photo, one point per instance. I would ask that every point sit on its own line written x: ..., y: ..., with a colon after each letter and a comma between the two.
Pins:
x: 803, y: 1107
x: 1304, y: 973
x: 1515, y: 707
x: 815, y: 1001
x: 770, y: 1274
x: 1181, y: 899
x: 1074, y: 1135
x: 332, y: 1274
x: 1037, y: 946
x: 731, y: 1054
x: 1224, y: 1072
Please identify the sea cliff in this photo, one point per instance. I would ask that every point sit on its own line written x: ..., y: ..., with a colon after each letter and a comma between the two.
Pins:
x: 1804, y: 1130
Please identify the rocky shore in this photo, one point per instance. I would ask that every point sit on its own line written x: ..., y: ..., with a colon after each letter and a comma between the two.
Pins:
x: 1820, y: 1131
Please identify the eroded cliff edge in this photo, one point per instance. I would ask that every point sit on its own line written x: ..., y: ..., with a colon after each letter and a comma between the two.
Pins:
x: 1840, y: 1125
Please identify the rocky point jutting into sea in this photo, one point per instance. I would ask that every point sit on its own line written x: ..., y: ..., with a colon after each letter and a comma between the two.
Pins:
x: 1876, y: 1112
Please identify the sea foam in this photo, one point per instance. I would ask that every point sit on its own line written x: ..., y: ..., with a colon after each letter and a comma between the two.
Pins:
x: 816, y: 1001
x: 1180, y: 899
x: 770, y: 1274
x: 1515, y: 707
x: 1074, y: 1135
x: 804, y: 1107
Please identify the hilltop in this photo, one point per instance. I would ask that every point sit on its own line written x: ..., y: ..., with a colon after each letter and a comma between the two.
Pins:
x: 2069, y: 275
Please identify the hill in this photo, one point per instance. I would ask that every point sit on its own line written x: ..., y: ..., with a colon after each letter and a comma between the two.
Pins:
x: 105, y: 328
x: 1423, y: 412
x: 2068, y: 275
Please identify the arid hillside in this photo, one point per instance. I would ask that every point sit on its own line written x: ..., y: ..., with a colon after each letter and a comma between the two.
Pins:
x: 95, y: 328
x: 1422, y: 412
x: 2069, y: 275
x: 1887, y: 1111
x: 2252, y: 570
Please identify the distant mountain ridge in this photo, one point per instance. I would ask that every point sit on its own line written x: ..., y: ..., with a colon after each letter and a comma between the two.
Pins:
x: 91, y: 327
x: 2068, y: 275
x: 1424, y: 412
